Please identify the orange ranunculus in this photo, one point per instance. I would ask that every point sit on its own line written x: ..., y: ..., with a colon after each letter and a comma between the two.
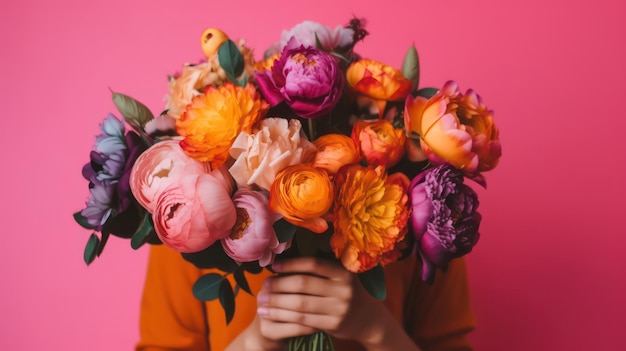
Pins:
x: 455, y: 128
x: 302, y: 194
x: 379, y: 142
x: 267, y: 63
x: 378, y: 81
x: 213, y: 120
x: 370, y: 216
x: 335, y: 151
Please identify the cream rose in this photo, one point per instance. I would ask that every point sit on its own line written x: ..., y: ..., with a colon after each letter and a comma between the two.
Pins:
x: 277, y: 143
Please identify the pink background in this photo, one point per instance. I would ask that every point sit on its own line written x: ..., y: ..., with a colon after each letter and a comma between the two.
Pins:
x: 548, y: 273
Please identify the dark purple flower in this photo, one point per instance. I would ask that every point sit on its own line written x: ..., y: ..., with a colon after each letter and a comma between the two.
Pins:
x: 444, y: 217
x: 308, y: 80
x: 108, y: 172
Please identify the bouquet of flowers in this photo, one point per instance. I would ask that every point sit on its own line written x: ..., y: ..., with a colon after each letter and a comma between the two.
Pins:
x: 313, y: 150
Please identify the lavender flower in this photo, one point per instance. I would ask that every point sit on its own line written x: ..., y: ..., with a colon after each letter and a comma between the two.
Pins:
x: 108, y: 172
x: 444, y: 218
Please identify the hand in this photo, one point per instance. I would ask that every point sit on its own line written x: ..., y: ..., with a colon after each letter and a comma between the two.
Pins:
x: 313, y: 294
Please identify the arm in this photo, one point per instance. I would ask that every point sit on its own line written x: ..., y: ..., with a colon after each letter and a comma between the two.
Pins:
x: 171, y: 318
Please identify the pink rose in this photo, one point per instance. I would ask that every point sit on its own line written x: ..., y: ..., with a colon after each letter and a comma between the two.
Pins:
x: 253, y: 237
x: 162, y: 165
x: 194, y: 213
x: 260, y: 156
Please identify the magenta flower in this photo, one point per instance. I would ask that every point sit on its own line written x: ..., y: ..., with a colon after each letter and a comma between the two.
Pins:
x: 308, y: 80
x: 444, y: 217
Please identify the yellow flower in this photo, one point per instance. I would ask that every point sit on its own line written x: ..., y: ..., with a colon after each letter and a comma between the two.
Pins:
x: 370, y: 216
x: 266, y: 64
x: 214, y: 119
x: 211, y: 40
x: 302, y: 194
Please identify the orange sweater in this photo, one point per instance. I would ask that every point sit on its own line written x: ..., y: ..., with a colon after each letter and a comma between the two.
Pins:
x: 437, y: 317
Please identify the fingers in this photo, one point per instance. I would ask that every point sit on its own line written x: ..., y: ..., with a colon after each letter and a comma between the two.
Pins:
x: 307, y: 284
x: 311, y: 265
x: 303, y: 303
x: 279, y: 330
x: 309, y: 321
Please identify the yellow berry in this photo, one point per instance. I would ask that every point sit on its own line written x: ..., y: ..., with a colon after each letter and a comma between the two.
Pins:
x: 211, y: 40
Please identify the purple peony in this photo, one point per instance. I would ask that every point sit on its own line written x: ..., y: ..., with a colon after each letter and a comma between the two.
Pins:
x: 108, y: 172
x: 444, y: 217
x: 308, y: 80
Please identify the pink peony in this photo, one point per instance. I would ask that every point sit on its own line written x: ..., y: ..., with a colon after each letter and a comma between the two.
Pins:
x: 195, y: 212
x: 277, y: 143
x: 253, y: 237
x: 162, y: 165
x: 308, y: 80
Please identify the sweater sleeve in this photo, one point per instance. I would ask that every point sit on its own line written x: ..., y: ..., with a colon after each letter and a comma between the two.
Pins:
x: 170, y: 317
x: 440, y: 316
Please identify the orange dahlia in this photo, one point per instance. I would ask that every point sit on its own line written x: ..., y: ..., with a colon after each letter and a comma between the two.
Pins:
x: 370, y: 216
x: 214, y: 119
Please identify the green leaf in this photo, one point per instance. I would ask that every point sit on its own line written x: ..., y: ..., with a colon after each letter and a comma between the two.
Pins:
x: 318, y: 43
x: 135, y: 113
x: 411, y: 66
x: 241, y: 280
x: 82, y: 221
x: 374, y: 282
x: 212, y: 257
x: 230, y: 60
x: 104, y: 238
x: 284, y: 230
x: 207, y: 287
x: 227, y: 300
x: 143, y: 232
x: 427, y: 92
x: 91, y: 249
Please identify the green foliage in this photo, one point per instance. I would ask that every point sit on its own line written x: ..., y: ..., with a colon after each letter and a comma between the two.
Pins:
x: 411, y: 66
x: 142, y: 234
x: 227, y: 300
x: 241, y: 280
x: 231, y: 61
x: 91, y: 249
x: 284, y: 230
x: 82, y: 221
x: 212, y: 257
x: 427, y: 92
x: 374, y: 282
x: 134, y: 112
x: 207, y: 287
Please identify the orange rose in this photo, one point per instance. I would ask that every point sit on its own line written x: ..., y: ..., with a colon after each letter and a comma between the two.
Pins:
x: 379, y: 142
x: 302, y: 194
x: 213, y: 120
x: 334, y: 151
x: 370, y: 216
x: 455, y: 128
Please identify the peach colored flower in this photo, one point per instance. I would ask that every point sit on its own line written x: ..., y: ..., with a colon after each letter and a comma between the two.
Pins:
x: 302, y: 194
x: 213, y: 120
x: 455, y: 128
x: 335, y: 151
x: 253, y: 237
x: 267, y: 63
x: 277, y: 143
x: 379, y: 142
x: 194, y: 213
x: 378, y: 82
x: 196, y: 77
x: 162, y: 165
x: 370, y: 216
